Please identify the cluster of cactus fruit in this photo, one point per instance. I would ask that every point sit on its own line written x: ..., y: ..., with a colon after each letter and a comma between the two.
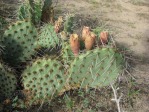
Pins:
x: 45, y: 77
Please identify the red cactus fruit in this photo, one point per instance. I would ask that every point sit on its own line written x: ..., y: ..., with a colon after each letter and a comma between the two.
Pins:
x: 75, y: 44
x: 85, y: 32
x: 90, y: 41
x: 58, y: 24
x: 56, y: 27
x: 93, y: 35
x: 104, y: 37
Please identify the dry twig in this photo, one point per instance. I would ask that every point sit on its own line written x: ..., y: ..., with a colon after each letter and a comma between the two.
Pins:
x: 116, y: 99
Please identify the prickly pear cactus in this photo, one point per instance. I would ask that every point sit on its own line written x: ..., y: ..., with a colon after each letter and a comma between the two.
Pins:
x: 98, y: 30
x: 31, y: 9
x: 48, y: 38
x: 47, y: 4
x: 8, y: 82
x: 3, y: 24
x: 19, y: 41
x: 68, y: 24
x: 36, y: 10
x: 24, y: 11
x: 96, y: 68
x: 67, y: 53
x: 47, y: 12
x: 44, y: 78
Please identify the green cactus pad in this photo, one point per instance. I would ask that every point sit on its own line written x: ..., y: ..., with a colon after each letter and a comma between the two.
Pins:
x: 66, y: 52
x: 48, y: 38
x: 96, y: 68
x: 47, y: 4
x: 68, y: 24
x: 44, y: 78
x: 24, y: 11
x: 3, y: 24
x: 31, y: 9
x: 19, y: 41
x: 36, y: 10
x: 8, y: 82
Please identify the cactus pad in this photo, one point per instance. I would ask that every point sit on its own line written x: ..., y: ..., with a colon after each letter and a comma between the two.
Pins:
x: 44, y: 78
x: 8, y: 82
x: 48, y: 38
x: 19, y: 41
x: 66, y: 52
x: 24, y: 11
x: 68, y: 24
x: 31, y: 9
x: 96, y: 68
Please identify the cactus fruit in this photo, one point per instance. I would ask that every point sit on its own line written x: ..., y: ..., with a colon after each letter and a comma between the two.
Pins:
x: 68, y: 24
x: 97, y: 31
x: 56, y: 27
x: 48, y: 37
x: 96, y: 68
x: 88, y: 37
x: 63, y: 35
x: 44, y: 78
x: 19, y: 41
x: 85, y: 32
x: 93, y: 35
x: 58, y: 24
x: 75, y: 44
x: 103, y: 37
x: 8, y: 82
x: 89, y: 41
